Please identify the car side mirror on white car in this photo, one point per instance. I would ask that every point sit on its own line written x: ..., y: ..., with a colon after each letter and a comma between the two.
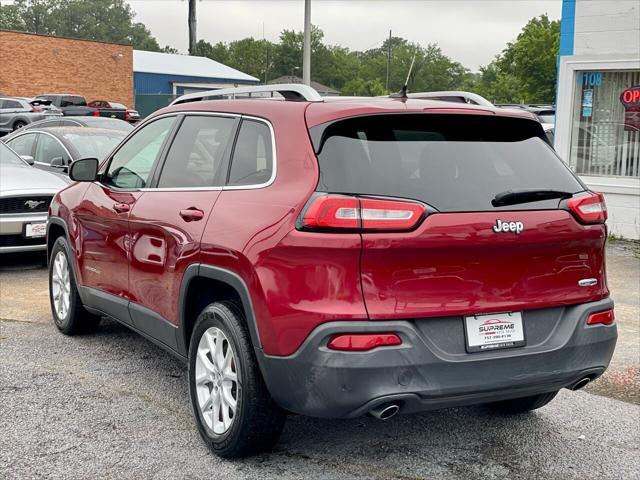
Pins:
x: 84, y: 170
x: 28, y: 158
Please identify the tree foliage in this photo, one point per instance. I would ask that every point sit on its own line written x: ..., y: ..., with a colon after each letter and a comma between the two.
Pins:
x: 101, y: 20
x: 525, y: 71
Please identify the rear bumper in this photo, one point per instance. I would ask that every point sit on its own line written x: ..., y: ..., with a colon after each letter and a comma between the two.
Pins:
x: 431, y: 369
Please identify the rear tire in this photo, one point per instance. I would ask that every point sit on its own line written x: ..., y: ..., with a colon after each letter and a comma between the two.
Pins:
x: 234, y: 412
x: 18, y: 125
x: 69, y: 315
x: 522, y: 405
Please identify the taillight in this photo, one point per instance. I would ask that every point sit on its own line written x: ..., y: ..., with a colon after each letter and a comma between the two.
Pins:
x: 353, y: 213
x: 95, y: 113
x: 333, y: 212
x: 35, y: 109
x: 601, y: 318
x: 589, y: 207
x: 362, y: 342
x: 127, y: 116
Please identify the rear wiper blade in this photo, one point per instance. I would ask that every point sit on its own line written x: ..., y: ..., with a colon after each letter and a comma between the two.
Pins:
x: 515, y: 197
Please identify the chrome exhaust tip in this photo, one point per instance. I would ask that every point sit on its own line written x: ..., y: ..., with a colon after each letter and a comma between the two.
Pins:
x: 580, y: 384
x: 385, y: 411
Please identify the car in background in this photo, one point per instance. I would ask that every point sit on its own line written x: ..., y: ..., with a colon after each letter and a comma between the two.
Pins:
x: 16, y: 112
x: 76, y: 105
x: 55, y: 148
x: 96, y: 122
x: 454, y: 96
x: 546, y: 114
x: 131, y: 116
x: 25, y: 195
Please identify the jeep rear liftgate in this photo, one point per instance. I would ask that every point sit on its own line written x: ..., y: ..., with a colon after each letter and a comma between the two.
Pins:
x: 459, y: 214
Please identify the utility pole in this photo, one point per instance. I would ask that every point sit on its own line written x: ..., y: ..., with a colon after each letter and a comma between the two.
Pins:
x: 192, y: 27
x: 306, y: 56
x: 388, y: 59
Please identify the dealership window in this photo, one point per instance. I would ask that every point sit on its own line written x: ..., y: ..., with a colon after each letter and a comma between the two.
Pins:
x: 605, y: 132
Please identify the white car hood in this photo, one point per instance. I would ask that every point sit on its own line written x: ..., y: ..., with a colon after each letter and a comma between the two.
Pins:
x: 18, y: 180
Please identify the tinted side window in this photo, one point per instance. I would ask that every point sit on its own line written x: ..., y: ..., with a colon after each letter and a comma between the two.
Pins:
x: 252, y: 162
x: 23, y: 145
x: 49, y: 148
x: 197, y: 153
x: 12, y: 104
x: 71, y: 101
x: 131, y: 165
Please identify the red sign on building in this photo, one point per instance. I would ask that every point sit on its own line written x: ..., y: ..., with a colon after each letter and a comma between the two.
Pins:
x: 630, y: 98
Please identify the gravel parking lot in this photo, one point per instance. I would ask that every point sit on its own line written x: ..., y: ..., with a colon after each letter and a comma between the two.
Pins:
x: 112, y: 405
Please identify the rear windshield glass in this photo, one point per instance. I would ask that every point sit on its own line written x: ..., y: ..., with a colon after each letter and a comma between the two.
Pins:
x: 451, y: 162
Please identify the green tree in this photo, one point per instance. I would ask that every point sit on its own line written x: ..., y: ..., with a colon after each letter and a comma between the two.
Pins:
x: 526, y: 69
x: 367, y: 88
x: 102, y: 20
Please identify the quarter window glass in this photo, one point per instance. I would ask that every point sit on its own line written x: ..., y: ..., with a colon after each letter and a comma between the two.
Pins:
x: 23, y: 145
x: 49, y: 149
x: 131, y: 165
x: 12, y: 104
x: 252, y: 162
x: 197, y: 153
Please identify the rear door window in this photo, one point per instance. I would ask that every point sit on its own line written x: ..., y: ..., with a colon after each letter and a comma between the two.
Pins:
x: 453, y: 163
x: 252, y: 162
x: 196, y: 156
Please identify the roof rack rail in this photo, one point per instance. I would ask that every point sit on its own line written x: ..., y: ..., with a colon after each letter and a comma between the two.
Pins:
x: 290, y: 91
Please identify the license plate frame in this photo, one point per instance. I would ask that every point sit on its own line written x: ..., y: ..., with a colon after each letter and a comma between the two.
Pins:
x: 497, y: 333
x: 35, y: 230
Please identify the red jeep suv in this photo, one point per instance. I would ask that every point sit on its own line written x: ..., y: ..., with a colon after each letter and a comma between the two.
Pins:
x: 338, y: 257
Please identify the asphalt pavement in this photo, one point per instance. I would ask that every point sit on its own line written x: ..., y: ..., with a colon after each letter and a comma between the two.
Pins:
x: 113, y: 405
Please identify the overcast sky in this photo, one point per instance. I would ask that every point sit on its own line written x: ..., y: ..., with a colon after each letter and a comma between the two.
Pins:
x: 469, y: 31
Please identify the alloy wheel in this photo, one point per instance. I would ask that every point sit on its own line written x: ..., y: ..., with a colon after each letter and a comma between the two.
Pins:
x: 61, y: 285
x: 216, y: 378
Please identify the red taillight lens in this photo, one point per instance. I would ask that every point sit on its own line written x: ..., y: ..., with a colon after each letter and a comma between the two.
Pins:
x: 36, y: 109
x: 343, y: 212
x: 95, y: 113
x: 589, y: 207
x: 601, y: 318
x: 333, y: 212
x: 361, y: 342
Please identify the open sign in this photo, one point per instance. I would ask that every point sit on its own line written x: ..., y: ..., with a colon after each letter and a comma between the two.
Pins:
x: 631, y: 97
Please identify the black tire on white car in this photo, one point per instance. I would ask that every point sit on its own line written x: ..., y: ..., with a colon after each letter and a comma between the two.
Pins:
x: 18, y: 125
x: 234, y: 412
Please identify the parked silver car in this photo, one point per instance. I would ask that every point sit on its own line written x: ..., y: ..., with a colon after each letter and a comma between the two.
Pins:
x: 16, y: 112
x: 25, y: 195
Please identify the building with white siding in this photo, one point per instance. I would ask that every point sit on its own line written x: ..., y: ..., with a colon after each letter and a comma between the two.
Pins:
x: 598, y: 109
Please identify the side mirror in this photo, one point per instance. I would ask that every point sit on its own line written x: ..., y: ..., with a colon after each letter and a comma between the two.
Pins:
x: 84, y: 170
x: 28, y: 158
x: 58, y: 162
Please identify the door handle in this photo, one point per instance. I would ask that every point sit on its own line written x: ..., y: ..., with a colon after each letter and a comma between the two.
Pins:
x: 121, y: 207
x: 192, y: 214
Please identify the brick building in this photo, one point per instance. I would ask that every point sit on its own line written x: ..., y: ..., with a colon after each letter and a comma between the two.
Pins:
x: 32, y: 64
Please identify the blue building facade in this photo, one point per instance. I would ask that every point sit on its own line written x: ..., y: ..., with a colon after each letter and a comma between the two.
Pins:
x: 158, y: 78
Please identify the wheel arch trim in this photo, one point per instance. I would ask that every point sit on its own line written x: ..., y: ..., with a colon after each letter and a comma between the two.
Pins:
x: 230, y: 278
